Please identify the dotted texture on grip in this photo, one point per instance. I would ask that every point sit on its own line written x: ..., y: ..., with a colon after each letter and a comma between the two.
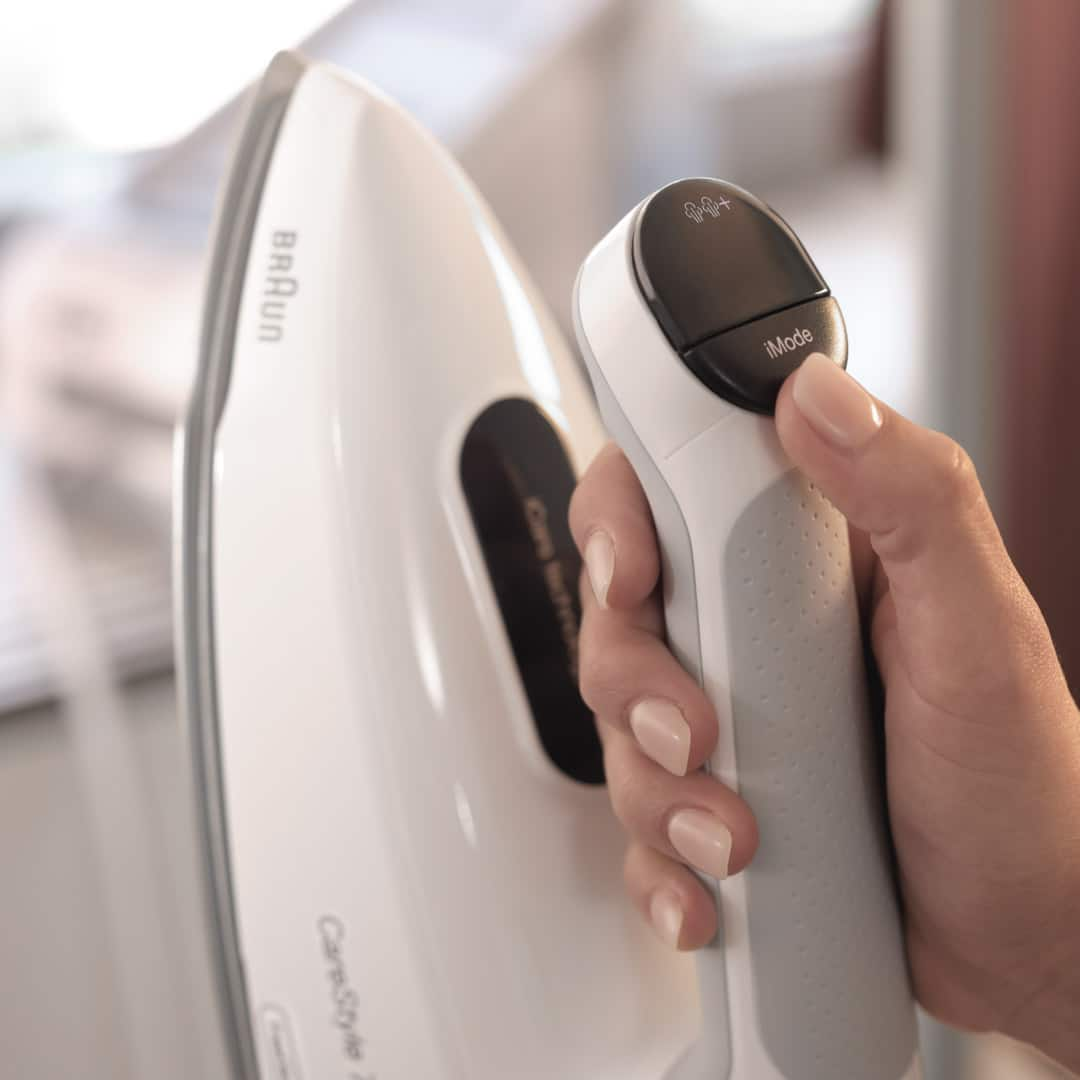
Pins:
x: 830, y: 982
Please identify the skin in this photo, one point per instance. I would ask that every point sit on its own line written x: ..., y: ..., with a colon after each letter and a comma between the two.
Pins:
x: 982, y: 735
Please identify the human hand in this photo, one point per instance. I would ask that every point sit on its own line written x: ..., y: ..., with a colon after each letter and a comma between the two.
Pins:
x: 982, y: 735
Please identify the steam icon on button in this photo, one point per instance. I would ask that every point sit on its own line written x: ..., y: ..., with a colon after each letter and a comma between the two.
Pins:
x: 696, y: 211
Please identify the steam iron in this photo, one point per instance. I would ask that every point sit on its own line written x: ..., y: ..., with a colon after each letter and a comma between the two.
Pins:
x: 414, y: 871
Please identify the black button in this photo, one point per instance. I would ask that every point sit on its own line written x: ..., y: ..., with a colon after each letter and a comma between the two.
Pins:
x: 748, y: 365
x: 709, y: 256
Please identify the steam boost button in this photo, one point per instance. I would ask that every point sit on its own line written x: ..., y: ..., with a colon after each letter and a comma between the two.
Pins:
x: 709, y: 257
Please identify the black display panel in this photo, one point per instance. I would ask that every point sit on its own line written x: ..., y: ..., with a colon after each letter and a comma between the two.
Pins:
x: 517, y: 482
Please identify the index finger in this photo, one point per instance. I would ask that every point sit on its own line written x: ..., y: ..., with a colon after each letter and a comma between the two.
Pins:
x: 613, y: 528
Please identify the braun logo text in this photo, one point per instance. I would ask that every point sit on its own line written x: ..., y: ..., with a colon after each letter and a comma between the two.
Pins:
x: 780, y: 345
x: 279, y: 286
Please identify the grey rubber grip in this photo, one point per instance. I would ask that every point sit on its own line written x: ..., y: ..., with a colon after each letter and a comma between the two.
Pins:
x: 830, y: 982
x: 831, y: 990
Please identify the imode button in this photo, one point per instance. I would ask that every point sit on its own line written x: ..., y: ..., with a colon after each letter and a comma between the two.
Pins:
x: 749, y: 364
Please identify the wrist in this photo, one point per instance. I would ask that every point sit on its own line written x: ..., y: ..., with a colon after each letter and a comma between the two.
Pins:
x: 1049, y: 1018
x: 1050, y: 1022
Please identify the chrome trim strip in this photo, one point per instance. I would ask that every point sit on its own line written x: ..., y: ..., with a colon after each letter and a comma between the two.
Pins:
x: 193, y: 569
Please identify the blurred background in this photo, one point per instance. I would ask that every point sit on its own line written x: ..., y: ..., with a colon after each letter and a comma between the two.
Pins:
x: 928, y: 153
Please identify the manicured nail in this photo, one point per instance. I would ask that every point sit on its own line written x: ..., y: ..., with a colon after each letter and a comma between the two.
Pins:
x: 666, y: 914
x: 600, y: 564
x: 662, y: 733
x: 702, y: 841
x: 834, y: 404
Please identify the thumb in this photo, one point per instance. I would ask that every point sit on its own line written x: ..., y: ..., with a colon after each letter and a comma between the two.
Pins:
x: 967, y: 625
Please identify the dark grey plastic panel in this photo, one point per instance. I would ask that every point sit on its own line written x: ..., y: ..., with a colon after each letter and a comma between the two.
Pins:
x: 830, y: 980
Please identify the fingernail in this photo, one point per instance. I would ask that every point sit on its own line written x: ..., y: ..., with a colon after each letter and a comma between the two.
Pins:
x: 662, y: 733
x: 702, y: 841
x: 600, y: 564
x: 834, y: 404
x: 666, y: 915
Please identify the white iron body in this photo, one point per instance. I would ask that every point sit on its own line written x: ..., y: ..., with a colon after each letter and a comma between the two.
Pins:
x: 703, y: 462
x: 406, y: 886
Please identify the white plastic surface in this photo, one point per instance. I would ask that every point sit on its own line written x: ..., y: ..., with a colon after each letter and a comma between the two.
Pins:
x: 420, y: 893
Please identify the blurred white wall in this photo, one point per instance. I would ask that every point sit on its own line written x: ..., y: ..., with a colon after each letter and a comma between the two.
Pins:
x: 125, y: 75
